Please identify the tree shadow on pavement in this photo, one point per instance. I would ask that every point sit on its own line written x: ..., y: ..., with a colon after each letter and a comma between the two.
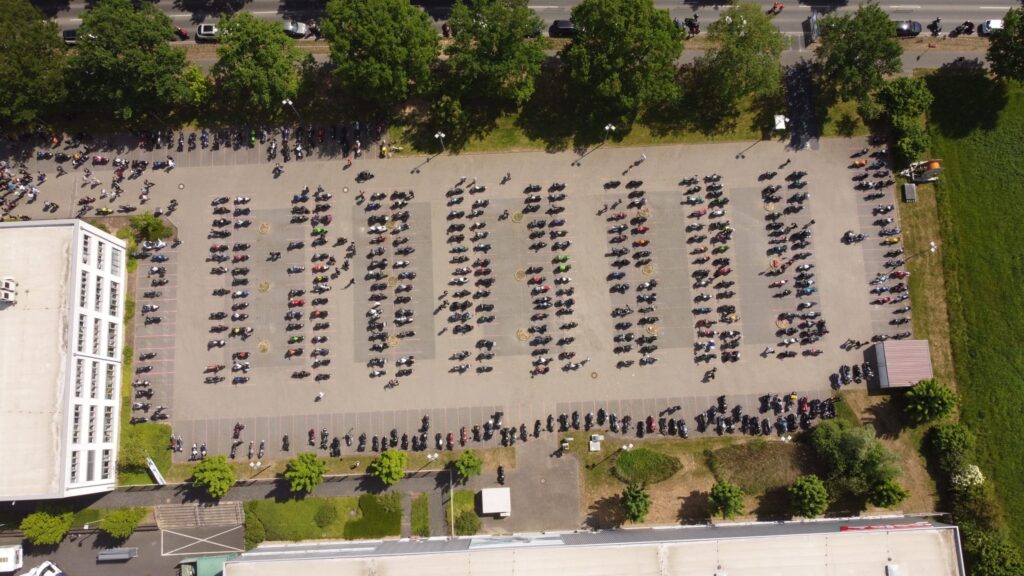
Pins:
x: 966, y: 98
x: 694, y: 508
x: 201, y: 9
x: 605, y: 513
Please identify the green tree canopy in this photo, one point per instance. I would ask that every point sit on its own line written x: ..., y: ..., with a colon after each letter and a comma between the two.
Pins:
x: 1006, y: 47
x: 214, y: 475
x: 855, y: 459
x: 124, y: 68
x: 467, y: 465
x: 122, y: 522
x: 383, y: 51
x: 856, y: 51
x: 887, y: 494
x: 951, y: 446
x: 928, y: 400
x: 636, y: 503
x: 389, y: 467
x: 305, y: 472
x: 621, y: 62
x: 808, y: 496
x: 257, y: 66
x: 725, y: 500
x: 47, y: 526
x: 743, y: 62
x: 905, y: 97
x: 32, y: 61
x: 467, y: 523
x: 146, y: 226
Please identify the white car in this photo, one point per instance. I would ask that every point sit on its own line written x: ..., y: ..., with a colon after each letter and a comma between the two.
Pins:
x: 45, y: 569
x: 207, y: 33
x: 153, y: 245
x: 296, y: 29
x: 989, y: 26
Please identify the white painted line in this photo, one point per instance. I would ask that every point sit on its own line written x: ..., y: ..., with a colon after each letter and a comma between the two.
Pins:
x: 904, y: 7
x: 1000, y: 8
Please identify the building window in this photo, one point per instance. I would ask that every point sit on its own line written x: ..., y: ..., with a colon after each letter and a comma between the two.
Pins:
x: 97, y: 303
x: 111, y: 340
x: 81, y: 332
x: 108, y: 392
x: 92, y: 424
x: 83, y: 289
x: 85, y: 249
x: 101, y: 252
x: 74, y: 467
x: 115, y: 295
x: 90, y: 466
x: 108, y: 423
x: 94, y: 384
x: 97, y: 333
x: 79, y: 374
x: 115, y: 261
x: 76, y: 425
x: 107, y: 465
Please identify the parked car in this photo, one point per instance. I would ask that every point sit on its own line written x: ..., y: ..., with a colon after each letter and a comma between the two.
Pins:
x: 989, y: 26
x: 907, y: 28
x: 562, y: 29
x: 296, y: 29
x: 70, y: 36
x: 207, y: 33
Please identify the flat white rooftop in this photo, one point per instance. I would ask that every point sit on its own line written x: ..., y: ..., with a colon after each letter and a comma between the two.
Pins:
x: 764, y: 550
x: 33, y: 349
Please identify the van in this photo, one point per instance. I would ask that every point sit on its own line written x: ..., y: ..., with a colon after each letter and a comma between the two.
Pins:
x: 11, y: 558
x: 892, y: 570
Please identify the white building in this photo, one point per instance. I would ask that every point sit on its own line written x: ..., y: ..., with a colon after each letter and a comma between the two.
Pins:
x: 61, y: 335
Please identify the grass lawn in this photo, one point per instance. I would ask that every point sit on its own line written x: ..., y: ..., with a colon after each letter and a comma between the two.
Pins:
x: 977, y: 130
x: 151, y: 437
x: 294, y: 519
x: 645, y: 466
x: 421, y: 516
x: 379, y: 516
x: 465, y: 501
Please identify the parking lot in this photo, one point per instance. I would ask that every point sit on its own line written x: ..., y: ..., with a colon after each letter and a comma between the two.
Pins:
x: 458, y: 389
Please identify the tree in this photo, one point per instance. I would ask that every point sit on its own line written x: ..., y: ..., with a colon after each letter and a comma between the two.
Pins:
x: 636, y: 502
x: 146, y: 226
x: 911, y: 143
x: 493, y: 61
x: 968, y: 477
x: 725, y: 499
x: 905, y: 97
x: 990, y: 553
x: 389, y: 467
x: 32, y: 61
x: 887, y: 494
x: 198, y: 88
x: 808, y: 496
x: 214, y: 475
x: 124, y: 66
x: 122, y: 522
x: 855, y: 459
x: 257, y: 66
x: 467, y: 523
x: 467, y: 465
x: 1006, y: 47
x: 382, y: 50
x: 951, y: 446
x: 928, y: 400
x: 856, y: 51
x: 621, y: 62
x: 305, y: 472
x: 47, y: 526
x: 744, y: 61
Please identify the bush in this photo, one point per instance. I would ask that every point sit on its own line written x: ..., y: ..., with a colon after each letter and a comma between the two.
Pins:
x: 214, y: 475
x: 421, y: 516
x: 644, y: 466
x: 991, y: 554
x: 725, y: 499
x: 121, y: 523
x: 808, y: 496
x: 326, y: 515
x: 951, y: 446
x: 636, y: 503
x: 47, y: 526
x: 968, y: 477
x: 305, y: 472
x: 255, y: 532
x: 467, y: 524
x: 856, y: 461
x: 467, y: 465
x: 887, y: 494
x: 928, y: 400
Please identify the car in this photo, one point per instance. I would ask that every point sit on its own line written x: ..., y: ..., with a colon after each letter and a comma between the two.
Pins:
x: 207, y: 33
x: 907, y: 28
x: 562, y: 29
x: 296, y: 29
x: 989, y: 26
x: 70, y: 36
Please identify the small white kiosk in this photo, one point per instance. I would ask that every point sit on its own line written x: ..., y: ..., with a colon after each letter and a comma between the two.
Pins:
x: 496, y: 502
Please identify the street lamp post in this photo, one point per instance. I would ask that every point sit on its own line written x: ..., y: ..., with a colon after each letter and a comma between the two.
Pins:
x: 440, y: 136
x: 289, y: 103
x: 608, y: 128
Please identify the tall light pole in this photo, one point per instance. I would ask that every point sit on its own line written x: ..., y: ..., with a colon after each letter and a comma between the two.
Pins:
x: 288, y: 102
x: 932, y: 248
x: 440, y: 136
x: 608, y: 128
